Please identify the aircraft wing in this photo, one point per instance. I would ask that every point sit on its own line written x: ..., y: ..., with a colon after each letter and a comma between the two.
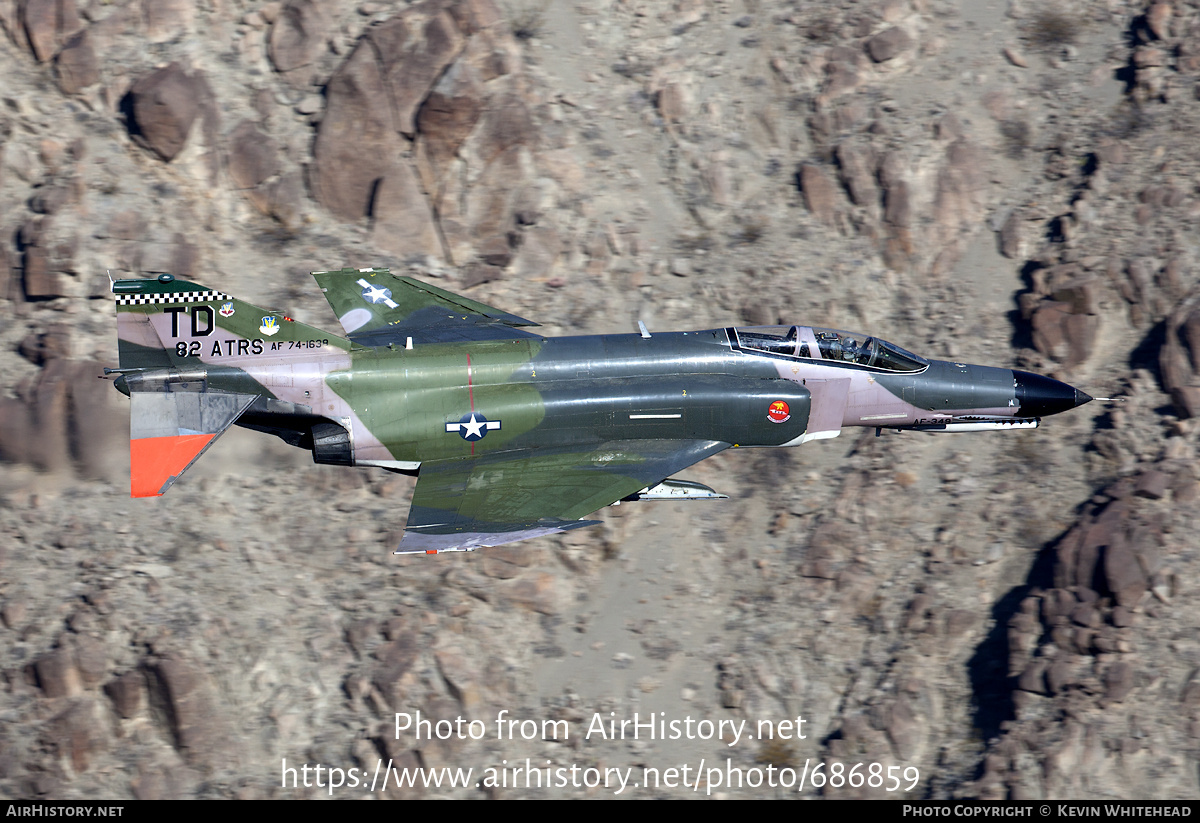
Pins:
x: 502, y: 497
x: 377, y: 308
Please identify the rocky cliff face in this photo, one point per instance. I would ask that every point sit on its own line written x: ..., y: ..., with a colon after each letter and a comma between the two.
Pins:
x: 1012, y: 614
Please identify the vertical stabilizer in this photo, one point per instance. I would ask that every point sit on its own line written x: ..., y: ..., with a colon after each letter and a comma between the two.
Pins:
x: 167, y: 323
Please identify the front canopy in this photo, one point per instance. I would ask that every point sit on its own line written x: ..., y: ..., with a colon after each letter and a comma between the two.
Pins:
x: 812, y: 343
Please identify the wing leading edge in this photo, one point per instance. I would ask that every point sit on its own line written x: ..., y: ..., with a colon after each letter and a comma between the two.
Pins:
x: 463, y: 504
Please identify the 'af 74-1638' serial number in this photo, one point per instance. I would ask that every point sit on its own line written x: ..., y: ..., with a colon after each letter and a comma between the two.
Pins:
x: 232, y: 348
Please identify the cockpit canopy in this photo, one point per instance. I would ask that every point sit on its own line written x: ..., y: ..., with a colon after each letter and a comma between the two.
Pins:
x: 811, y: 343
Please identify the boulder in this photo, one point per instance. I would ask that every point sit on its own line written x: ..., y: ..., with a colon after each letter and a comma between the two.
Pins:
x: 1118, y: 682
x: 396, y: 659
x: 184, y: 698
x: 76, y: 64
x: 285, y: 200
x: 1013, y: 243
x: 888, y: 44
x: 1158, y: 19
x: 841, y: 73
x: 91, y: 658
x: 40, y: 348
x: 97, y: 423
x: 163, y: 105
x: 857, y: 176
x: 357, y: 142
x: 128, y: 693
x: 958, y: 203
x: 299, y: 34
x: 898, y: 210
x: 818, y: 191
x: 39, y: 281
x: 252, y: 156
x: 449, y: 114
x: 539, y: 249
x: 1179, y: 358
x: 79, y: 733
x: 168, y: 19
x: 58, y: 675
x: 401, y: 221
x: 1063, y: 335
x: 413, y: 49
x: 47, y: 24
x: 1123, y: 574
x: 507, y: 125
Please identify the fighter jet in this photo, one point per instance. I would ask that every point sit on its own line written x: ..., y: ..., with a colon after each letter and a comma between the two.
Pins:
x: 512, y: 434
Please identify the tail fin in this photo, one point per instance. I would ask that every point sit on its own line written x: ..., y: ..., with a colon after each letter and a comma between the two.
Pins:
x: 183, y: 351
x: 170, y: 323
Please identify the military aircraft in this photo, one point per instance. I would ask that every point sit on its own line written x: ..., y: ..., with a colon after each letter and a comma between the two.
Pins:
x: 513, y: 435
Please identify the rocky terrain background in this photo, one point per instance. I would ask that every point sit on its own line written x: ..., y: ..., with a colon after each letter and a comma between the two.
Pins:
x: 1012, y: 184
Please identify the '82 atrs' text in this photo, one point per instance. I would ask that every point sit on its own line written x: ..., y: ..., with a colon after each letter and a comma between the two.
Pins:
x: 233, y: 348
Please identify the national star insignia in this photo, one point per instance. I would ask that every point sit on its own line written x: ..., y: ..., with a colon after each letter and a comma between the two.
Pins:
x: 473, y: 426
x: 374, y: 294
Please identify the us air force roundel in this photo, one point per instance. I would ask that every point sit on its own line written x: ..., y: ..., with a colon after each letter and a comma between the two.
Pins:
x: 375, y: 294
x: 473, y: 426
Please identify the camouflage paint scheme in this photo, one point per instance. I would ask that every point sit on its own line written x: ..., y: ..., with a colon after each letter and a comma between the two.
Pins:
x: 513, y: 435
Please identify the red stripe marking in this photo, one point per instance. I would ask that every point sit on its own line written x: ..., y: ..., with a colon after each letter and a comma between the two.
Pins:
x: 470, y: 389
x: 155, y: 460
x: 470, y: 396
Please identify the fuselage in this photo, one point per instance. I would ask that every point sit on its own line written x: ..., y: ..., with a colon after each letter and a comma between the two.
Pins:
x: 514, y: 435
x: 400, y: 407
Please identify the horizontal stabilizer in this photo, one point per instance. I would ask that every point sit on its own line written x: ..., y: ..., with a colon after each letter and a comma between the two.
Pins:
x: 418, y: 542
x: 169, y: 430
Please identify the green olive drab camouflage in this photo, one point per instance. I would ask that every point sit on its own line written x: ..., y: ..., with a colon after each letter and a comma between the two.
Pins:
x: 512, y: 434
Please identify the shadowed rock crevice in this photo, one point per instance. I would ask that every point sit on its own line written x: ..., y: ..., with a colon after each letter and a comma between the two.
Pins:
x: 992, y: 682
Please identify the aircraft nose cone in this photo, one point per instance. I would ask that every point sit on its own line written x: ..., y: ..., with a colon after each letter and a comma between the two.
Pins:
x: 1039, y: 396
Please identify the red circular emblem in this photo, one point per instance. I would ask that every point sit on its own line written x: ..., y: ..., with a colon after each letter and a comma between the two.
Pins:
x: 779, y: 412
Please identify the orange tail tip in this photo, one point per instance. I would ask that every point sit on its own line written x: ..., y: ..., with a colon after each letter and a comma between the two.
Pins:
x: 156, y: 461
